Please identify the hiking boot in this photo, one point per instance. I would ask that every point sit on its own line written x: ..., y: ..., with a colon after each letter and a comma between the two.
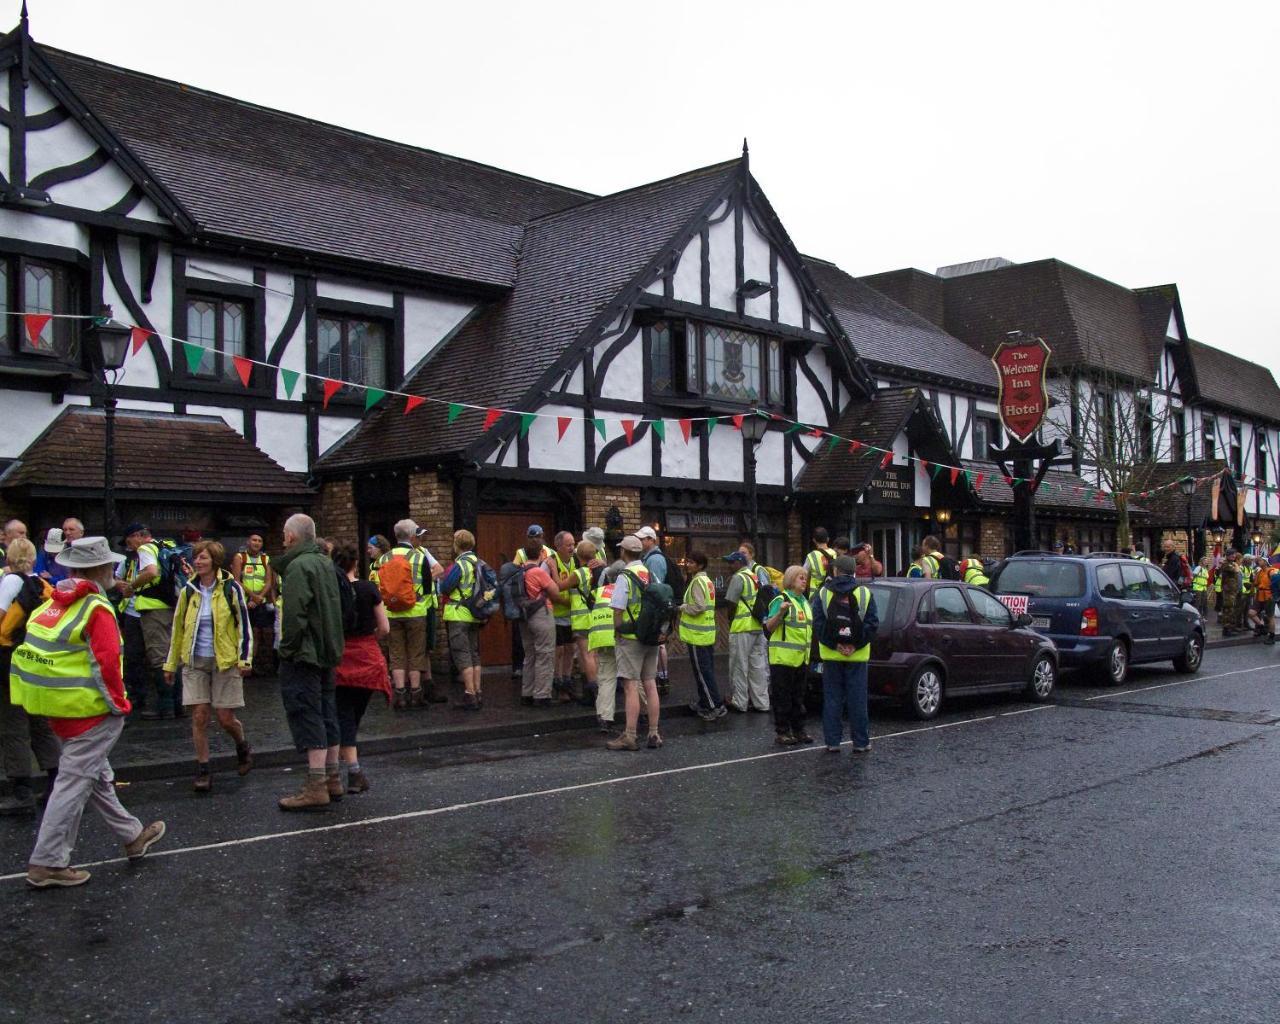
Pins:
x: 469, y: 702
x: 203, y: 783
x: 147, y: 838
x: 50, y: 878
x: 400, y: 701
x: 604, y: 725
x: 803, y: 737
x: 22, y: 802
x: 654, y: 741
x: 357, y: 782
x: 627, y: 741
x: 244, y: 758
x: 333, y: 784
x: 416, y: 697
x: 784, y: 739
x: 314, y: 795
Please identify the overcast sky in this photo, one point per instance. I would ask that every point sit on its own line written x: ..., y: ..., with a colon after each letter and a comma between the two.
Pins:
x: 1138, y: 141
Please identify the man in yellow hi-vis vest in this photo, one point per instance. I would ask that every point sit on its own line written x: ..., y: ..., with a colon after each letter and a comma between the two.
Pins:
x: 698, y: 631
x: 837, y: 608
x: 69, y: 669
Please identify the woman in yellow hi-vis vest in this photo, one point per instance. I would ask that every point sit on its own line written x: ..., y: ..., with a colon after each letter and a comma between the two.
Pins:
x: 790, y: 630
x: 836, y: 609
x: 698, y: 631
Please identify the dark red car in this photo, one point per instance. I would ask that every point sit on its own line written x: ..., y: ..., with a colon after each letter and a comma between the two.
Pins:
x: 938, y: 638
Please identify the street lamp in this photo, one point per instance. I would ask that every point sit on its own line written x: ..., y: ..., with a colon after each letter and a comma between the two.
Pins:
x: 1187, y: 485
x: 942, y: 515
x: 112, y: 346
x: 753, y: 431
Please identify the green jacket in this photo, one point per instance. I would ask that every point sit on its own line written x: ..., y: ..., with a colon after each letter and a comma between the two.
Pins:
x: 311, y: 620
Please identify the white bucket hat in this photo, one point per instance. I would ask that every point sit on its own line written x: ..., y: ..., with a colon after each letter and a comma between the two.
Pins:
x: 88, y: 553
x: 53, y: 542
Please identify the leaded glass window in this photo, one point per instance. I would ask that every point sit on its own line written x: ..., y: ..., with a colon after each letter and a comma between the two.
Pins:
x: 731, y: 362
x: 661, y: 365
x: 218, y: 326
x: 352, y: 350
x: 48, y: 288
x: 37, y: 296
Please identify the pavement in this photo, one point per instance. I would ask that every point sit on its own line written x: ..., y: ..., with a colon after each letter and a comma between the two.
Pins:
x: 1109, y: 856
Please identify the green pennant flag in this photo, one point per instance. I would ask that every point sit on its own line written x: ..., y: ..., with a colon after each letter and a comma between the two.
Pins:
x: 793, y: 428
x: 526, y: 421
x: 831, y: 445
x: 290, y: 380
x: 372, y: 396
x: 195, y: 356
x: 660, y: 428
x: 935, y: 469
x: 599, y: 425
x: 455, y: 410
x: 712, y: 423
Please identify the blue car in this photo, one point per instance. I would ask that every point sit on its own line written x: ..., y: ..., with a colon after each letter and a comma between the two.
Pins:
x: 1103, y: 611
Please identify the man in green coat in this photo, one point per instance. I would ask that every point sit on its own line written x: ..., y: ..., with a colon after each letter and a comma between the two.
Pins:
x: 311, y: 643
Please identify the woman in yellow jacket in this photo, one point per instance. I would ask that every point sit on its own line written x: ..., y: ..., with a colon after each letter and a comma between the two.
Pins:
x: 212, y: 643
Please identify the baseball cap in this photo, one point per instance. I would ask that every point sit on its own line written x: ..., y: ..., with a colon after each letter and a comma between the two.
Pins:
x: 847, y: 565
x: 595, y: 535
x: 53, y: 542
x: 646, y: 532
x: 736, y: 556
x: 630, y: 543
x: 133, y: 528
x: 535, y: 530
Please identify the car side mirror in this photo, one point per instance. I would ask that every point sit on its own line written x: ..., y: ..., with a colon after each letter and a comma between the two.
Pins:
x: 1023, y: 620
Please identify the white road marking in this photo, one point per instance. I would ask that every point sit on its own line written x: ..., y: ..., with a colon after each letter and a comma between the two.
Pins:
x: 490, y: 801
x: 1027, y: 711
x: 1183, y: 682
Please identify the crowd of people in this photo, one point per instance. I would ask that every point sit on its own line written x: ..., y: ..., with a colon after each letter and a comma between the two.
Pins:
x: 90, y: 638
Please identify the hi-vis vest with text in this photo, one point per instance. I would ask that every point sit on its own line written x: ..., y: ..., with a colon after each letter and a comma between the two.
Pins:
x: 600, y: 632
x: 789, y: 643
x: 54, y: 673
x: 700, y: 630
x: 743, y: 621
x: 863, y: 653
x: 253, y: 577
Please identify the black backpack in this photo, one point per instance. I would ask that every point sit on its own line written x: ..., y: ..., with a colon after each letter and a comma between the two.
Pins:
x: 765, y: 594
x: 483, y: 601
x: 843, y: 624
x: 657, y: 611
x: 676, y: 578
x: 170, y: 560
x: 517, y: 606
x: 347, y: 597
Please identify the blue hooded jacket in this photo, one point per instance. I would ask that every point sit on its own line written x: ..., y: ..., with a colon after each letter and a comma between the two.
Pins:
x: 845, y: 585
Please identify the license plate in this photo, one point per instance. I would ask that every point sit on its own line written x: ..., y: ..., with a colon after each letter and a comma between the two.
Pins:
x: 1040, y: 622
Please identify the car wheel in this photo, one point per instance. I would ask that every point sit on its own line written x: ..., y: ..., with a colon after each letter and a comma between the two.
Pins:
x: 1114, y: 667
x: 924, y: 695
x: 1192, y: 655
x: 1044, y: 677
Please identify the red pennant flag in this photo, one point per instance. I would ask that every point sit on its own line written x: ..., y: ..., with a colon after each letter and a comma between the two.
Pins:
x: 35, y: 324
x: 629, y: 428
x: 817, y: 432
x: 139, y: 336
x: 854, y: 445
x: 244, y: 367
x: 737, y: 422
x: 888, y: 458
x: 686, y: 428
x: 977, y: 481
x: 331, y: 388
x: 954, y: 474
x: 412, y: 402
x: 924, y: 464
x: 562, y: 424
x: 491, y: 417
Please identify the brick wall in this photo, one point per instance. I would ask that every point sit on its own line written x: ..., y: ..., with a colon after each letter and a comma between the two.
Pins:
x: 991, y: 538
x: 336, y: 513
x: 796, y: 541
x: 596, y: 502
x: 1179, y: 537
x: 431, y: 507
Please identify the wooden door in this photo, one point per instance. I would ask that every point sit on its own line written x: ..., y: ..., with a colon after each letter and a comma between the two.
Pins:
x: 498, y: 536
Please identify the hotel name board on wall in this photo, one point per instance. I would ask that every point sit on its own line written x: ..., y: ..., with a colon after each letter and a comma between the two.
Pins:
x: 893, y: 485
x: 1024, y: 398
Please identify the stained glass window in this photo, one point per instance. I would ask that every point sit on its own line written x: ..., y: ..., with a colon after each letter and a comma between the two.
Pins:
x: 731, y: 362
x: 352, y: 350
x: 38, y: 298
x: 661, y: 377
x: 218, y: 325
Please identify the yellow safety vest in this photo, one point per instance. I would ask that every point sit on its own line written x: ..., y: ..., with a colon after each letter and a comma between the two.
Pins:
x: 1217, y: 582
x: 600, y: 632
x: 700, y: 630
x: 521, y: 557
x: 253, y: 576
x: 789, y: 643
x: 976, y: 576
x: 579, y: 609
x: 422, y: 586
x: 143, y: 601
x: 863, y: 653
x: 743, y: 621
x: 54, y: 673
x: 1200, y: 580
x: 456, y: 609
x: 816, y: 564
x: 935, y: 565
x: 631, y: 616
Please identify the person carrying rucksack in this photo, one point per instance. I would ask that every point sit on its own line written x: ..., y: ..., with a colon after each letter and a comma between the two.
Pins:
x: 748, y: 649
x: 151, y: 590
x: 534, y: 590
x: 405, y: 575
x: 818, y: 562
x: 461, y: 620
x: 636, y: 646
x: 21, y: 735
x: 698, y: 631
x: 789, y: 626
x: 844, y: 618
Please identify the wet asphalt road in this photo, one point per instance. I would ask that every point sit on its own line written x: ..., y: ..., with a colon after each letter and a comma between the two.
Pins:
x: 1112, y: 857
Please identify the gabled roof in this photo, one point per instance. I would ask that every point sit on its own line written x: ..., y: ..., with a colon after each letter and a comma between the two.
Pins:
x: 1234, y: 382
x: 875, y: 422
x: 155, y: 453
x: 890, y: 336
x: 250, y: 173
x: 574, y: 267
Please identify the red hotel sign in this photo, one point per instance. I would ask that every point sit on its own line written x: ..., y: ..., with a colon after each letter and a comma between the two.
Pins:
x: 1024, y: 399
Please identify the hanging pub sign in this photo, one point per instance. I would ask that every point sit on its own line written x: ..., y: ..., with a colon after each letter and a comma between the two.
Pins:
x: 1021, y: 366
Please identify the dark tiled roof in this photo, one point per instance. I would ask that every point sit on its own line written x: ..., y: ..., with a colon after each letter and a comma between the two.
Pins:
x: 1236, y: 383
x: 919, y: 291
x: 1084, y: 319
x: 875, y: 421
x: 1169, y: 507
x: 573, y: 265
x: 887, y: 334
x: 1057, y: 491
x: 262, y: 175
x: 155, y: 452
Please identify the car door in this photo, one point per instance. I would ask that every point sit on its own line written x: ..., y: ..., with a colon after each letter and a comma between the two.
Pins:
x: 1005, y: 650
x: 1172, y: 622
x: 1141, y: 613
x: 949, y: 631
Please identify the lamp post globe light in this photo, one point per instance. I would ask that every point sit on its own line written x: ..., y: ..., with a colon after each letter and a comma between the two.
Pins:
x: 1187, y: 486
x: 108, y: 349
x: 754, y: 426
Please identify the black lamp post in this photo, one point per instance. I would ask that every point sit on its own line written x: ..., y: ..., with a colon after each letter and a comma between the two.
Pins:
x: 112, y: 341
x: 1187, y: 486
x: 753, y: 431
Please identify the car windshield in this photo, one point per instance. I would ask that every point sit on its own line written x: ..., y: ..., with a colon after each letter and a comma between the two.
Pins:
x: 884, y: 598
x: 1041, y: 578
